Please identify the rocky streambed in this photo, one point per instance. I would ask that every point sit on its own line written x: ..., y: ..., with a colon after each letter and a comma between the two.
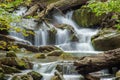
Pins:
x: 52, y: 65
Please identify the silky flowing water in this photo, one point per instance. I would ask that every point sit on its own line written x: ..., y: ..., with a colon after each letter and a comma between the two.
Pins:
x: 81, y: 47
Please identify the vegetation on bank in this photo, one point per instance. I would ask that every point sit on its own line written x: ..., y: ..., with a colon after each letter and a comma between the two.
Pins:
x: 106, y: 7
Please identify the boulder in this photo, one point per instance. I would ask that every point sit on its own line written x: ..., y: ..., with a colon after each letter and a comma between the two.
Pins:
x: 14, y: 62
x: 106, y: 39
x: 9, y: 70
x: 55, y: 53
x: 2, y: 76
x: 22, y: 77
x: 40, y: 56
x: 11, y: 54
x: 84, y: 17
x: 72, y: 32
x: 52, y: 35
x: 46, y: 49
x: 35, y: 75
x: 57, y: 76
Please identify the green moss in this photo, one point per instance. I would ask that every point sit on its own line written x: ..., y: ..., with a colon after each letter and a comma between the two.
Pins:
x: 40, y: 56
x: 51, y: 1
x: 86, y: 18
x: 35, y: 75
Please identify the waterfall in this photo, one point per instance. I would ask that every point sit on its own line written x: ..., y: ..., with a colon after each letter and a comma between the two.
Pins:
x: 61, y: 38
x: 84, y: 34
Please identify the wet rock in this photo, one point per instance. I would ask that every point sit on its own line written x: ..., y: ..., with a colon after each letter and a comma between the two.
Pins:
x: 26, y: 77
x: 11, y: 54
x: 35, y: 75
x: 66, y: 56
x: 9, y: 70
x: 22, y: 77
x: 57, y: 76
x: 106, y: 39
x: 27, y: 61
x: 46, y: 49
x: 28, y: 47
x: 86, y: 18
x: 55, y: 53
x: 40, y: 56
x: 117, y: 74
x: 52, y: 35
x: 2, y: 76
x: 72, y: 32
x: 14, y: 62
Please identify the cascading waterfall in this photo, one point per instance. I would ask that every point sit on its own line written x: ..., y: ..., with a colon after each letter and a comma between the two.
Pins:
x: 62, y: 39
x: 84, y: 34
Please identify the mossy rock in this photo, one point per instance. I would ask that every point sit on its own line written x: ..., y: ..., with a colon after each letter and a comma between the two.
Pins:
x: 2, y: 76
x: 106, y: 39
x: 14, y: 62
x: 84, y: 17
x: 55, y: 53
x: 40, y: 56
x: 35, y: 75
x: 9, y: 70
x: 66, y: 56
x: 22, y: 77
x: 11, y: 54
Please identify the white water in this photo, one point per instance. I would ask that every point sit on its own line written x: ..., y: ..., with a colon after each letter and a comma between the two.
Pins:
x: 62, y: 37
x: 84, y: 34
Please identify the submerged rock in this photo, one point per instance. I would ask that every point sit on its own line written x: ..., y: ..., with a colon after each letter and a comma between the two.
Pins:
x: 86, y: 18
x: 35, y: 75
x: 106, y: 39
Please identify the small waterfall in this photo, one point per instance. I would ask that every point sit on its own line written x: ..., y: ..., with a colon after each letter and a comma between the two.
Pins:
x: 41, y: 37
x: 84, y: 34
x: 62, y: 36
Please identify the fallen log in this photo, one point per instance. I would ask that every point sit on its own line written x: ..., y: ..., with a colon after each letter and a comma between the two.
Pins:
x: 98, y: 62
x: 61, y: 5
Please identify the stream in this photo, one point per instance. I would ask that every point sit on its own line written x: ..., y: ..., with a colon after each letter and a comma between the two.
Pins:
x: 81, y: 47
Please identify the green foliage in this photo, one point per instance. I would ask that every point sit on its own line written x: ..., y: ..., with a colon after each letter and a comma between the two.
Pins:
x: 110, y: 6
x: 104, y: 7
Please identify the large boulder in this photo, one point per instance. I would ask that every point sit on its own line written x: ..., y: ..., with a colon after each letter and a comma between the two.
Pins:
x: 15, y: 62
x: 84, y: 17
x: 106, y: 39
x: 35, y: 75
x: 46, y: 49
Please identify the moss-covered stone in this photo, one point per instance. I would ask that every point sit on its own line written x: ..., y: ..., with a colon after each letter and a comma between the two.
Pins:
x: 55, y: 53
x: 66, y: 56
x: 35, y: 75
x: 2, y: 76
x: 86, y: 18
x: 11, y: 54
x: 9, y: 70
x: 26, y: 77
x: 106, y: 39
x: 40, y: 56
x: 22, y: 77
x: 14, y: 62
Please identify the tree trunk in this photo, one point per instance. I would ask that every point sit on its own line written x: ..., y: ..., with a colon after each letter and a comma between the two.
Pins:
x: 61, y: 5
x: 98, y: 62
